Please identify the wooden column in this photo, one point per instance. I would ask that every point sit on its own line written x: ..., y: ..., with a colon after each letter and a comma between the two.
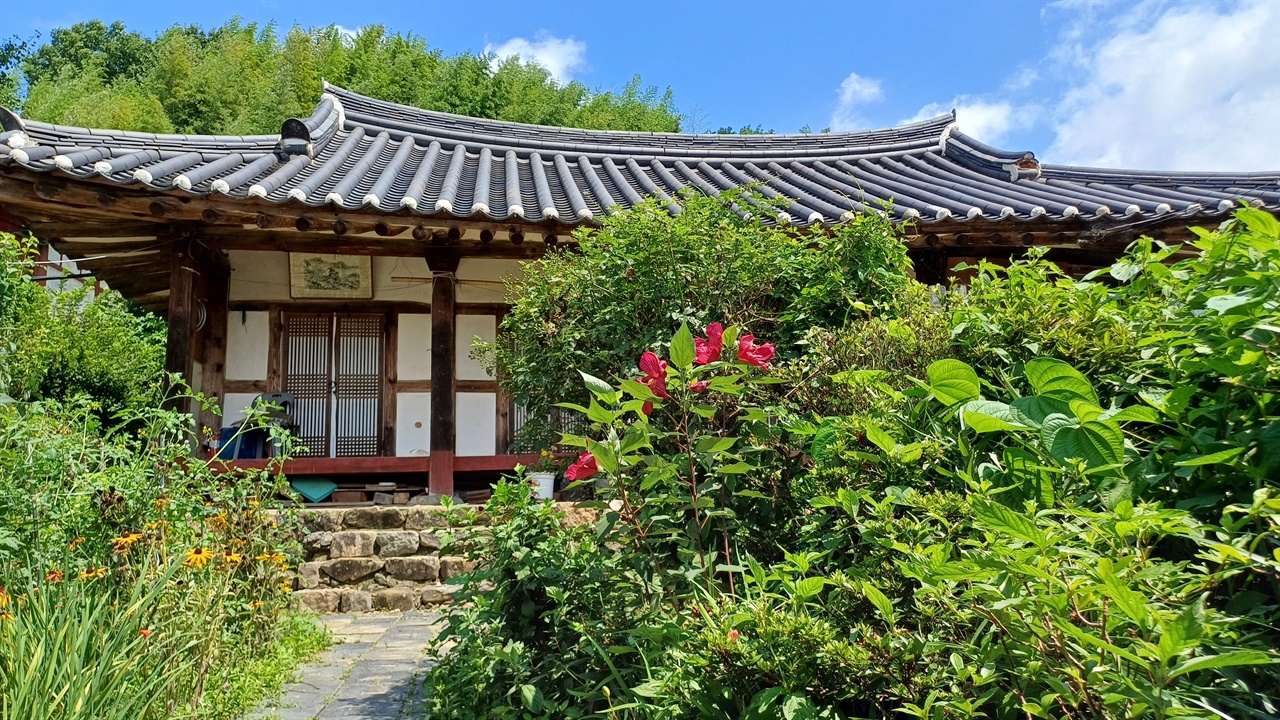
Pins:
x: 444, y: 339
x: 182, y: 294
x: 217, y: 289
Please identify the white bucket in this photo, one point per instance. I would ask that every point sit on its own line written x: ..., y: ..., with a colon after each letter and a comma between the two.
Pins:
x: 544, y: 484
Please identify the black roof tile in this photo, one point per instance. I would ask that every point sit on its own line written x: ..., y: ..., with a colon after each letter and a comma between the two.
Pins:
x: 367, y: 152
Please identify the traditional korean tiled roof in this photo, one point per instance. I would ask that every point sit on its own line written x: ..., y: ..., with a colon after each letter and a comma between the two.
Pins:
x: 356, y: 152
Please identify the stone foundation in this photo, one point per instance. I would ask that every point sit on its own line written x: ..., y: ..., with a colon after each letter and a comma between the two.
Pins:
x: 382, y: 557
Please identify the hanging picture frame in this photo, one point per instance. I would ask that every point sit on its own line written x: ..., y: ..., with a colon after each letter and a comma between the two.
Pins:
x: 321, y: 275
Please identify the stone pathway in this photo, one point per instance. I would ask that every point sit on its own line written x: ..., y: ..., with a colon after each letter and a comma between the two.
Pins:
x: 374, y: 673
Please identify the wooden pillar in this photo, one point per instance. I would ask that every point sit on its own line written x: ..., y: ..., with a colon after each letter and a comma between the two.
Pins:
x: 182, y: 294
x: 444, y: 339
x: 216, y: 293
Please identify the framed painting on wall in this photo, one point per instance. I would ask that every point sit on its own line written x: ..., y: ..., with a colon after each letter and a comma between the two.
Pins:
x: 319, y: 275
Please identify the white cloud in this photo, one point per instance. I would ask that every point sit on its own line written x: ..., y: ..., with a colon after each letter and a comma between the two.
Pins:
x: 347, y: 33
x: 1179, y: 87
x: 855, y: 91
x: 562, y: 57
x: 985, y: 120
x: 1024, y: 78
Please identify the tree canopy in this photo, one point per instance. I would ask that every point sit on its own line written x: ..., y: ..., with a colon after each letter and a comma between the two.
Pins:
x: 244, y: 78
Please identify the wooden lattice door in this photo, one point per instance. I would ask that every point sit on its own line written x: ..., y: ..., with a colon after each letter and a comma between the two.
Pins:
x: 333, y: 367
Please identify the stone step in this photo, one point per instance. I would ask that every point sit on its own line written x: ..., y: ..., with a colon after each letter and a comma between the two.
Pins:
x: 383, y: 558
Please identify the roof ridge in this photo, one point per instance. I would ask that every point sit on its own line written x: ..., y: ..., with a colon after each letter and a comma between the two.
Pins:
x: 923, y: 128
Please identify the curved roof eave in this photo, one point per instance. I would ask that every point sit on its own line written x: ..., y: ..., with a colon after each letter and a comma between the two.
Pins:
x: 354, y: 152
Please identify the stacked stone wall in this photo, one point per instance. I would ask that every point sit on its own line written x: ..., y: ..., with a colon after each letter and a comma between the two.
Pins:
x: 383, y: 557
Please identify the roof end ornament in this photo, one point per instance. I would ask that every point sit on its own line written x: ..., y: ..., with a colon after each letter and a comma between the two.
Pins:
x: 14, y: 130
x: 295, y: 139
x: 1026, y: 167
x: 946, y: 133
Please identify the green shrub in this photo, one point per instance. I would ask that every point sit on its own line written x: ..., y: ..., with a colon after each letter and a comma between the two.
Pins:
x: 1078, y: 518
x: 645, y: 271
x: 64, y: 344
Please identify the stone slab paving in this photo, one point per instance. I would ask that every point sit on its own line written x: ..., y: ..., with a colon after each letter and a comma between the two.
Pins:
x: 374, y: 673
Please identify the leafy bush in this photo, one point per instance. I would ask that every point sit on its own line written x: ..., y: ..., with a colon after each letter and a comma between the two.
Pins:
x: 135, y: 582
x: 1080, y: 522
x: 598, y: 307
x: 64, y: 344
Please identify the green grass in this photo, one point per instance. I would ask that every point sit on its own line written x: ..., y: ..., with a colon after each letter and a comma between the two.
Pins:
x: 248, y: 678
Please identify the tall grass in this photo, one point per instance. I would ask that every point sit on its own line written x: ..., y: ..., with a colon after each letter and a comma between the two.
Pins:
x: 89, y: 650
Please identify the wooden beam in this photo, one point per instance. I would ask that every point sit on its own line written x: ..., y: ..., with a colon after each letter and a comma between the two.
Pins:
x: 502, y: 401
x: 390, y: 338
x: 335, y: 306
x: 275, y: 350
x: 443, y: 262
x: 182, y: 291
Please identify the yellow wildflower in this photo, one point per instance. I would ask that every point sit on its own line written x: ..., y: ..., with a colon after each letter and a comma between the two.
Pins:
x: 122, y: 544
x: 162, y: 502
x: 232, y: 558
x: 4, y: 598
x: 255, y: 604
x: 197, y: 557
x: 74, y: 543
x: 5, y: 616
x: 93, y: 573
x: 54, y: 576
x: 219, y: 520
x: 286, y: 587
x: 275, y: 557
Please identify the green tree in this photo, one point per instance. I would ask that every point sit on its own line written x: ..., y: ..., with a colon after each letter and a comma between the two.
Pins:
x: 242, y: 78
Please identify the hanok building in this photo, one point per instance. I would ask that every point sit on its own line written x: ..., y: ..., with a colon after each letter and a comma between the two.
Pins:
x: 349, y: 260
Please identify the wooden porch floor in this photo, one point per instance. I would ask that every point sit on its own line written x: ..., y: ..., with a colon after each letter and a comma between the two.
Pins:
x: 375, y: 465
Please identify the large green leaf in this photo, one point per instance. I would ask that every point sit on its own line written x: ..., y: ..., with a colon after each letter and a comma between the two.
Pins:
x: 1182, y: 633
x: 1221, y: 457
x: 820, y: 449
x: 953, y: 382
x: 985, y: 416
x: 1098, y: 443
x: 682, y: 350
x: 1133, y: 413
x: 880, y: 600
x: 881, y: 438
x: 995, y: 516
x: 1229, y: 659
x: 599, y: 388
x: 1130, y: 602
x: 1057, y: 379
x: 1036, y: 408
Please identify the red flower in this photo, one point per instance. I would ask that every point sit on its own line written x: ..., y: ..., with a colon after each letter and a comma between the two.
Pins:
x: 585, y: 467
x: 647, y: 408
x: 655, y: 373
x: 752, y: 354
x: 709, y: 350
x: 699, y: 386
x: 145, y: 633
x: 733, y: 635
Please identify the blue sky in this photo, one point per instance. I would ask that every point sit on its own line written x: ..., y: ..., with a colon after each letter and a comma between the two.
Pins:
x: 1153, y: 84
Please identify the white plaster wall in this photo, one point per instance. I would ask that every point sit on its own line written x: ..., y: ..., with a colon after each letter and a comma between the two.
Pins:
x: 413, y: 347
x: 469, y: 326
x: 234, y: 405
x: 248, y: 345
x: 410, y: 288
x: 480, y: 279
x: 413, y: 424
x: 477, y: 419
x: 258, y: 275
